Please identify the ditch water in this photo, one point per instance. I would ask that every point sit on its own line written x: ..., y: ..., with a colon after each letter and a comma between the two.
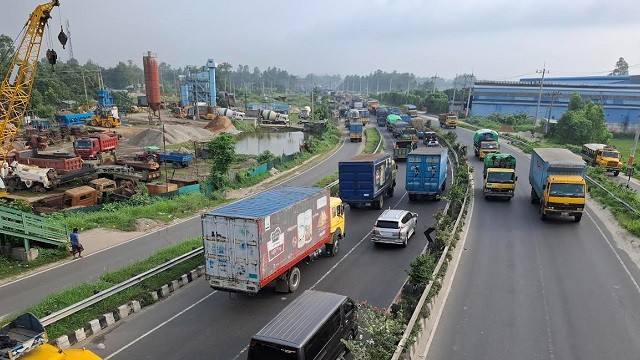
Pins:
x: 277, y: 143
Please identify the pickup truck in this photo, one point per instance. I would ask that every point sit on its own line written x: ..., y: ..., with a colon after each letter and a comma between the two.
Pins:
x: 365, y: 179
x: 426, y: 172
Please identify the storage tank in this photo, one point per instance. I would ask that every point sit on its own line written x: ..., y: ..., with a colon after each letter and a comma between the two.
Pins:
x: 269, y: 114
x: 151, y: 80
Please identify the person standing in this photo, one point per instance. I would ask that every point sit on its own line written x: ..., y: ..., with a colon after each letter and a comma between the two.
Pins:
x: 76, y: 247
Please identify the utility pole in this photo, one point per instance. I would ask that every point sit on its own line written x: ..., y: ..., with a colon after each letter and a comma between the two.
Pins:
x: 390, y: 82
x: 378, y: 86
x: 453, y: 101
x: 632, y: 156
x: 543, y: 71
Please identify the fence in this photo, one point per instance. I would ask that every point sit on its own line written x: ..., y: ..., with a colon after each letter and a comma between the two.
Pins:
x: 264, y: 167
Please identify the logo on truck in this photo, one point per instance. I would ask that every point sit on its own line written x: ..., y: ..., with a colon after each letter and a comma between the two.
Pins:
x: 305, y: 228
x: 275, y: 246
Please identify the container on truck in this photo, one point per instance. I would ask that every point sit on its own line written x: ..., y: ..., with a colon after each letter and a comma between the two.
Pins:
x: 557, y: 182
x: 365, y: 179
x: 391, y: 120
x: 604, y: 156
x: 90, y: 147
x: 448, y: 120
x: 499, y: 176
x: 262, y: 239
x: 426, y: 174
x: 25, y: 338
x: 485, y: 141
x: 355, y: 132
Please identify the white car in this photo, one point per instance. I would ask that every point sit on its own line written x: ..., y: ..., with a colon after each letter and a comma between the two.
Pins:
x: 394, y: 227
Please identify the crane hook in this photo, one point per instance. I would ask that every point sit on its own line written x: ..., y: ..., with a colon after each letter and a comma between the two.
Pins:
x: 62, y: 37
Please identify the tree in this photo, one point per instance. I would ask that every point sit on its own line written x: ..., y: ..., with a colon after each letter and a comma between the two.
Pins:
x: 622, y: 68
x: 575, y: 103
x: 6, y: 53
x: 223, y: 153
x: 582, y: 123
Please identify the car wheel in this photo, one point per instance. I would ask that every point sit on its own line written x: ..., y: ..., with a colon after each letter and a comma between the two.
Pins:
x: 405, y: 241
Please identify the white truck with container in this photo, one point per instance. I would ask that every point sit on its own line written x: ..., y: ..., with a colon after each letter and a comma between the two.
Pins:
x: 261, y: 239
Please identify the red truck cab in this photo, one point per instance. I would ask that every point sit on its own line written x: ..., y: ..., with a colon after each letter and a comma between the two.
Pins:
x: 90, y: 147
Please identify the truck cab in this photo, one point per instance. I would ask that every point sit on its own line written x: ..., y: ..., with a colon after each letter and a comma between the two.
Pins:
x: 338, y: 226
x: 448, y: 120
x: 499, y: 176
x: 605, y: 156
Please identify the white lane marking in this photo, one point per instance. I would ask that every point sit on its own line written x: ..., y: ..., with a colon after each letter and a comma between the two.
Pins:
x: 626, y: 269
x: 545, y: 302
x: 160, y: 325
x: 157, y: 232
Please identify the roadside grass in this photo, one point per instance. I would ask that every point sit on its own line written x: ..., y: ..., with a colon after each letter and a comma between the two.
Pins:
x: 626, y: 218
x: 328, y: 180
x: 624, y: 144
x: 372, y: 139
x: 59, y: 301
x: 10, y: 267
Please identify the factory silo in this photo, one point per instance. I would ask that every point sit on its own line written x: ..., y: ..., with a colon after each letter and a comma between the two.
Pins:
x: 152, y: 80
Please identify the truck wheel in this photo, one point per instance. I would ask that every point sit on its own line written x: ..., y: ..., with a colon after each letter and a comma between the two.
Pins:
x: 534, y: 197
x: 577, y: 218
x: 335, y: 246
x: 390, y: 192
x: 293, y: 280
x: 615, y: 173
x: 444, y: 185
x: 543, y: 216
x: 379, y: 203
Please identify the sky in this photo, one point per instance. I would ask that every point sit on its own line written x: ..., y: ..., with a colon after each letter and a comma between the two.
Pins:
x: 493, y: 39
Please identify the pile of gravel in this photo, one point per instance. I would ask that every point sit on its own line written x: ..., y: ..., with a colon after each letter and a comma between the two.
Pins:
x: 174, y: 134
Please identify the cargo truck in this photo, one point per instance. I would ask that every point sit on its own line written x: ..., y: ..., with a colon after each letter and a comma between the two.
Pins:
x: 485, y: 141
x: 448, y: 120
x: 381, y: 116
x: 426, y: 174
x: 605, y: 156
x: 557, y: 182
x: 372, y: 106
x: 355, y: 132
x: 63, y: 163
x: 410, y: 110
x: 25, y: 338
x: 365, y: 179
x: 90, y: 147
x: 499, y: 176
x: 263, y: 238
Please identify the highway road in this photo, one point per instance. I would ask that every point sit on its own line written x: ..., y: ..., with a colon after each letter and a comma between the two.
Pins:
x: 29, y: 290
x: 199, y: 323
x: 528, y: 289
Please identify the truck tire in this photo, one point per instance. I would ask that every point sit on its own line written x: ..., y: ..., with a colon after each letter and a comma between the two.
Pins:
x: 390, y: 192
x: 444, y: 185
x: 577, y: 218
x: 332, y: 249
x: 379, y: 202
x: 543, y: 216
x: 615, y: 173
x: 534, y: 197
x: 413, y: 197
x: 293, y: 279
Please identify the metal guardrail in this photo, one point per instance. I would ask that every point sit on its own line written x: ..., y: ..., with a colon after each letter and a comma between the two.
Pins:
x: 423, y: 298
x: 61, y: 314
x: 624, y: 203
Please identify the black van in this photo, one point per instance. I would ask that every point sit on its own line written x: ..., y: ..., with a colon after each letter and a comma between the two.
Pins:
x: 311, y: 327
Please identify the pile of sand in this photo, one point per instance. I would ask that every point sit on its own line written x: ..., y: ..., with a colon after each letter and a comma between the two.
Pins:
x: 174, y: 134
x: 219, y: 124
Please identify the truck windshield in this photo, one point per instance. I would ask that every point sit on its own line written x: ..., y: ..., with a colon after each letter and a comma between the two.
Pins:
x: 567, y: 190
x: 500, y: 177
x: 610, y: 154
x: 83, y: 144
x: 266, y: 351
x: 489, y: 146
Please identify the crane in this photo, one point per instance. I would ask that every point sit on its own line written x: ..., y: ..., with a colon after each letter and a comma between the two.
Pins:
x: 15, y: 90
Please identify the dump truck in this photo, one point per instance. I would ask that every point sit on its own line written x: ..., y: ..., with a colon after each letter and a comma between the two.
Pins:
x: 398, y: 127
x: 557, y: 178
x: 153, y: 153
x: 499, y: 176
x: 372, y: 106
x: 25, y: 338
x: 426, y: 174
x: 604, y: 156
x: 355, y: 132
x: 485, y: 141
x: 90, y: 147
x: 263, y: 238
x: 448, y: 120
x: 365, y: 179
x: 62, y: 163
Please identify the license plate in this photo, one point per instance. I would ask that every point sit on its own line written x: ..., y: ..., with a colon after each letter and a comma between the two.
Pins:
x: 564, y: 214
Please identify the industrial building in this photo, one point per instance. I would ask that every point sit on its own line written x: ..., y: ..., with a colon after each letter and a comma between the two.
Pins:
x: 619, y: 95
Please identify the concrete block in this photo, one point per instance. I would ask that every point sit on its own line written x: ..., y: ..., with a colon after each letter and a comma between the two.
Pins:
x: 95, y: 325
x: 185, y: 279
x: 123, y: 310
x: 109, y: 318
x: 135, y: 306
x: 80, y: 334
x: 200, y: 270
x: 154, y: 295
x: 175, y: 285
x: 164, y: 290
x: 63, y: 342
x: 194, y: 274
x: 19, y: 253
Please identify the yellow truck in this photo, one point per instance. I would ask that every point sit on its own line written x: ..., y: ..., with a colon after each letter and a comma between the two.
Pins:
x: 499, y: 176
x: 605, y: 156
x: 557, y: 182
x: 448, y: 120
x: 485, y: 141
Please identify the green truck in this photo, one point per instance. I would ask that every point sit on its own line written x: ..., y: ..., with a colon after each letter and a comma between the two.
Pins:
x: 485, y: 141
x: 499, y: 176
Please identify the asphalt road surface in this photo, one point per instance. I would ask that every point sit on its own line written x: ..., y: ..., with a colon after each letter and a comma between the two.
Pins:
x: 199, y: 323
x: 528, y: 289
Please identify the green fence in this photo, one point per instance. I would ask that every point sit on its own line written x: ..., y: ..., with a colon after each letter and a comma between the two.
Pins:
x: 29, y: 227
x: 264, y: 167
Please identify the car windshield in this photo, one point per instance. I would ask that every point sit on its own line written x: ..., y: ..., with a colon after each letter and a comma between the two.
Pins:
x: 500, y: 177
x: 567, y: 190
x: 489, y: 146
x: 611, y: 154
x: 385, y: 224
x: 83, y: 144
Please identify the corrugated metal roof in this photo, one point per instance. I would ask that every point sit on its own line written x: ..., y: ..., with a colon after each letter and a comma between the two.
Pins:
x: 298, y: 321
x: 428, y: 151
x: 559, y: 156
x: 267, y: 203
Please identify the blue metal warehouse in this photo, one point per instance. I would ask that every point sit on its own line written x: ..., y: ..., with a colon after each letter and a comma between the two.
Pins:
x: 620, y: 96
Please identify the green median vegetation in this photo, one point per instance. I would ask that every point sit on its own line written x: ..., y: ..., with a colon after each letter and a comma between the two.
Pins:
x: 372, y: 140
x: 61, y: 300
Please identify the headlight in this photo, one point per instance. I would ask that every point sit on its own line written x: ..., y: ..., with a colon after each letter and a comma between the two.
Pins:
x: 550, y: 207
x: 579, y: 209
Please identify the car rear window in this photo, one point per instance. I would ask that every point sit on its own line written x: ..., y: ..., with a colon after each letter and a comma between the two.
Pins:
x: 386, y: 224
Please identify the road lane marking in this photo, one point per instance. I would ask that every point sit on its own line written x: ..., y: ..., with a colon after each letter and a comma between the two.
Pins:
x: 160, y: 325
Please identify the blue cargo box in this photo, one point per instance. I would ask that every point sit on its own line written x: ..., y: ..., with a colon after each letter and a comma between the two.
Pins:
x: 74, y: 119
x: 552, y: 161
x: 426, y: 171
x: 355, y: 128
x: 365, y: 177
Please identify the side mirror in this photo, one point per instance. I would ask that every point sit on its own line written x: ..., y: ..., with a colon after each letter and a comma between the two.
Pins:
x: 415, y: 215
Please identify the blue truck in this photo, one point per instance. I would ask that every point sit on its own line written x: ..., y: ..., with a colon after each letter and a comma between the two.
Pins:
x: 381, y: 116
x: 153, y: 153
x: 355, y: 131
x: 426, y: 172
x: 365, y: 179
